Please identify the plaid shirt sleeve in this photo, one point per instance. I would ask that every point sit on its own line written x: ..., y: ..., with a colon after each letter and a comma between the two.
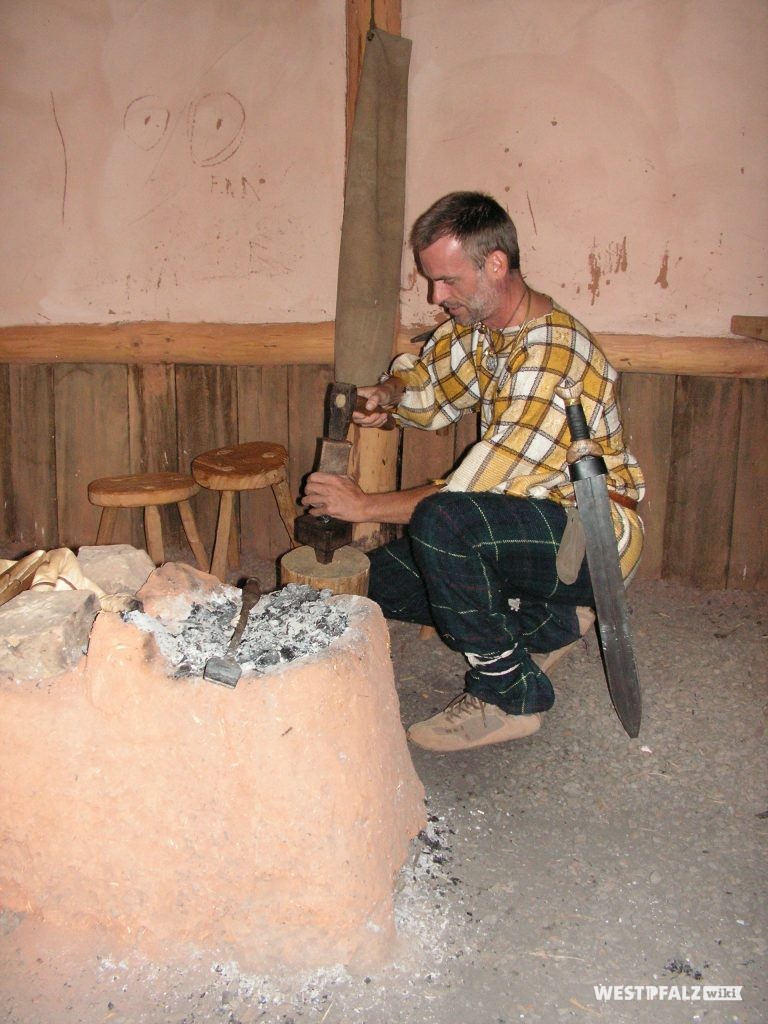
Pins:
x: 525, y: 437
x: 442, y: 383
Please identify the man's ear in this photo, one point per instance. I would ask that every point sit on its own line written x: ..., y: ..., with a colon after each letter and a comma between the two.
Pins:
x: 497, y: 264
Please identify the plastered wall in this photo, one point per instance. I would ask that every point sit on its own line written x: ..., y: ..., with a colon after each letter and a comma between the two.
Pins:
x: 171, y: 159
x: 628, y: 140
x: 183, y: 159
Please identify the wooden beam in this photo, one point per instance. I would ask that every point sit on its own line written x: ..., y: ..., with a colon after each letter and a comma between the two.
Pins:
x: 750, y: 327
x: 164, y: 342
x: 297, y: 344
x: 688, y: 356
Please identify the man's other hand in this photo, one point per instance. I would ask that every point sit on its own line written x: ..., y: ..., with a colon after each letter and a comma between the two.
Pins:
x: 379, y: 400
x: 327, y: 494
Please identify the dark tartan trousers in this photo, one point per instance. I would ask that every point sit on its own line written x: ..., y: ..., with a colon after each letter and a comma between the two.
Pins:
x: 481, y: 569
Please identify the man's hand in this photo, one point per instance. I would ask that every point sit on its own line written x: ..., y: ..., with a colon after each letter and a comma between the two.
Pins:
x: 327, y: 494
x: 380, y: 398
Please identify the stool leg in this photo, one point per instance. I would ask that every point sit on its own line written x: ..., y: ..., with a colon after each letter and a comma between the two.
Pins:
x: 154, y: 533
x: 193, y: 536
x: 286, y: 507
x: 223, y: 530
x: 107, y: 524
x: 233, y: 550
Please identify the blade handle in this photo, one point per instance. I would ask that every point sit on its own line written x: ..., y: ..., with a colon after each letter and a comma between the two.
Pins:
x: 574, y: 413
x: 251, y: 594
x: 584, y: 456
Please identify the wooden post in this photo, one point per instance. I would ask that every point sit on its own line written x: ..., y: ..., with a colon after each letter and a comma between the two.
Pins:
x: 375, y: 451
x: 387, y: 16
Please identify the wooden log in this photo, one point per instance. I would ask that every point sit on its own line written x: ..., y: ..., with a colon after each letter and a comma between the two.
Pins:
x: 346, y: 573
x: 687, y: 356
x: 698, y: 357
x: 301, y: 344
x: 374, y: 466
x: 164, y: 342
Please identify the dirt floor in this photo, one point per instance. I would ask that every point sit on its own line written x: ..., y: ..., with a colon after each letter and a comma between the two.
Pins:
x: 572, y: 859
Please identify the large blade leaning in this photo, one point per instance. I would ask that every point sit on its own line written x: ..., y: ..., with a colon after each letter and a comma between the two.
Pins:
x: 588, y: 475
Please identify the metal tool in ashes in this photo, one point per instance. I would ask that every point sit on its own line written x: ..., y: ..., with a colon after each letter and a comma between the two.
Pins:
x: 225, y: 669
x: 588, y: 474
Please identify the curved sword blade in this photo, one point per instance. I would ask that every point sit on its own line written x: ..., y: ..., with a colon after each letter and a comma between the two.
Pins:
x: 610, y: 601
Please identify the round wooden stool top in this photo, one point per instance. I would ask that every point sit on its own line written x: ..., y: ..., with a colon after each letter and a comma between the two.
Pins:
x: 241, y: 467
x: 140, y: 489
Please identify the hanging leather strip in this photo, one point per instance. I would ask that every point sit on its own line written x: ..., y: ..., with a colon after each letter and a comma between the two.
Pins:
x: 370, y: 258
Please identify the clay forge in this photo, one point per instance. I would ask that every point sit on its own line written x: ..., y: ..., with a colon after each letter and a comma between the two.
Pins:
x: 266, y: 822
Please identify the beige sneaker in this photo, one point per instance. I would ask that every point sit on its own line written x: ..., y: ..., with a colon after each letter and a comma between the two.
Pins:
x: 469, y: 722
x: 547, y: 661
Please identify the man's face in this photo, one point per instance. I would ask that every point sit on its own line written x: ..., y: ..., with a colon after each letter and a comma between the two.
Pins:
x: 464, y: 291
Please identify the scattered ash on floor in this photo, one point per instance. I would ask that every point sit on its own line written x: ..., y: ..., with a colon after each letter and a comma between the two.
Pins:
x: 286, y: 624
x: 429, y: 947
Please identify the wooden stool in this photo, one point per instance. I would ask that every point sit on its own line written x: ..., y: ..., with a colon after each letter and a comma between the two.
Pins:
x: 243, y: 467
x: 147, y: 491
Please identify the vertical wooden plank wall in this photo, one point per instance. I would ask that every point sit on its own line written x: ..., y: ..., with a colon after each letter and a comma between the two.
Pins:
x: 647, y: 404
x: 7, y: 517
x: 32, y: 457
x: 152, y: 438
x: 206, y: 417
x: 748, y: 563
x: 91, y: 427
x: 307, y: 389
x: 429, y: 455
x: 702, y: 481
x: 262, y: 408
x: 700, y: 442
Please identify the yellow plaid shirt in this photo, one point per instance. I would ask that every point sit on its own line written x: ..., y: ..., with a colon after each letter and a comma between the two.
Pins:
x: 510, y: 377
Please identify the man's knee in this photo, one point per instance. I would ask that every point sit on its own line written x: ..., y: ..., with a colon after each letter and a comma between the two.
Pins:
x: 436, y: 513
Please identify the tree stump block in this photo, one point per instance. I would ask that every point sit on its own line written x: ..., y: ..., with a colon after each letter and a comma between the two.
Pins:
x: 346, y: 573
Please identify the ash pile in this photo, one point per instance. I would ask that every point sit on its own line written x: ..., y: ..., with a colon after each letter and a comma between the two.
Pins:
x: 286, y: 624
